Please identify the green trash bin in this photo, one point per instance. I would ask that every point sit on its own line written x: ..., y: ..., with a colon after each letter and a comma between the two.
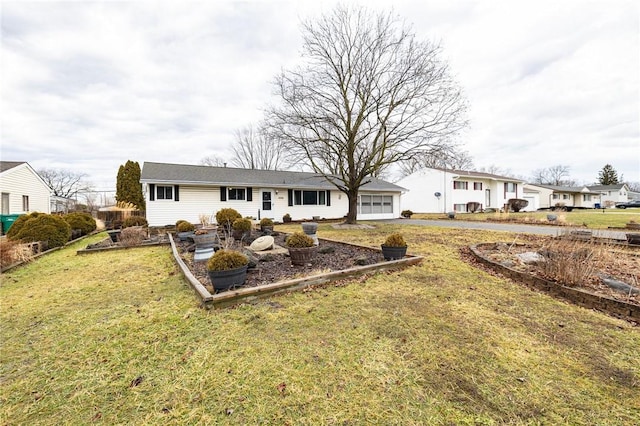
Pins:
x: 7, y: 220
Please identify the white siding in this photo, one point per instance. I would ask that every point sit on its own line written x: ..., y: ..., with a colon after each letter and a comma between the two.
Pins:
x: 23, y: 181
x: 196, y: 200
x: 424, y: 184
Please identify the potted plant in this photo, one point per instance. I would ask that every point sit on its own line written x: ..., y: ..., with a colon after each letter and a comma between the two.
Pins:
x: 226, y: 217
x: 286, y: 218
x: 394, y: 247
x: 185, y: 229
x: 205, y: 239
x: 301, y: 248
x: 227, y: 268
x: 241, y: 229
x: 266, y: 225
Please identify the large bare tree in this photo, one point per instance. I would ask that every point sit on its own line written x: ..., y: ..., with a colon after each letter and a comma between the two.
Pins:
x: 256, y: 148
x: 557, y: 175
x: 369, y: 94
x: 65, y: 183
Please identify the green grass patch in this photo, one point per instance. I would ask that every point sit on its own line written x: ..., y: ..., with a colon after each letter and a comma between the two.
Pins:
x: 589, y: 218
x: 118, y: 338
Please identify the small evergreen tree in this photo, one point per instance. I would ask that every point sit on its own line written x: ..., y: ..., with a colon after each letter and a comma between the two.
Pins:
x: 128, y: 186
x: 608, y: 175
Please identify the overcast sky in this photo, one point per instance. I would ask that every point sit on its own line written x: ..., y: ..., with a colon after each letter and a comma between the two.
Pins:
x: 87, y: 86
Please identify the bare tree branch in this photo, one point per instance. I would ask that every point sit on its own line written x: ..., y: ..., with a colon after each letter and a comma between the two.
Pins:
x: 557, y: 175
x: 369, y: 95
x: 258, y: 149
x: 213, y: 160
x: 64, y: 183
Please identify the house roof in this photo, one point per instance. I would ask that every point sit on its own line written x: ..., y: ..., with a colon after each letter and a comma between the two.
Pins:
x: 482, y: 175
x: 566, y: 189
x: 6, y: 165
x: 616, y: 187
x: 208, y: 175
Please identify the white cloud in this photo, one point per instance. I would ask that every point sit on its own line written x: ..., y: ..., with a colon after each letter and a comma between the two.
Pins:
x: 88, y: 86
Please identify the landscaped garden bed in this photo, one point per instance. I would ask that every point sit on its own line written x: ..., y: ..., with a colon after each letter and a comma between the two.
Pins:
x: 274, y: 273
x: 596, y: 276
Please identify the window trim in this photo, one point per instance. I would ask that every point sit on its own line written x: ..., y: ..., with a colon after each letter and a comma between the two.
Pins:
x: 461, y: 184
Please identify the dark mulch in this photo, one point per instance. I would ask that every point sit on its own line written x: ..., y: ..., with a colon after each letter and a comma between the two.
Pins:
x: 278, y: 267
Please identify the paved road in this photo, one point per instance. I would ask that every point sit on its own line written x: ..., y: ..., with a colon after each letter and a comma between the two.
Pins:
x: 506, y: 227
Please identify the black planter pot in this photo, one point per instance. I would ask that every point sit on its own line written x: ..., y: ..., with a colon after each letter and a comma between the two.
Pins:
x: 309, y: 228
x: 114, y: 235
x: 633, y: 239
x: 267, y: 229
x: 300, y: 256
x: 184, y: 236
x: 223, y: 280
x: 393, y: 253
x: 206, y: 240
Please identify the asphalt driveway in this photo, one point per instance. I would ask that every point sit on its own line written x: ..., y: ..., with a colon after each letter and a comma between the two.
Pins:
x: 506, y: 227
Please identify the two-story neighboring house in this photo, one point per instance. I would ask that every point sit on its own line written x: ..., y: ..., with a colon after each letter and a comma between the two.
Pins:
x: 610, y: 195
x: 434, y: 190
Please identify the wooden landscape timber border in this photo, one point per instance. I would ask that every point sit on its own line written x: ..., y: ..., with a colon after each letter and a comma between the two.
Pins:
x: 616, y: 308
x: 250, y: 294
x: 100, y: 249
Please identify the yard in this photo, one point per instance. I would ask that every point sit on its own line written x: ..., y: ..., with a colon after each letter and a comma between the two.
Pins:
x: 590, y: 218
x: 117, y: 337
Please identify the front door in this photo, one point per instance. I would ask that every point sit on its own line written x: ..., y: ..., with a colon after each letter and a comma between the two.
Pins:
x: 487, y: 198
x: 266, y: 200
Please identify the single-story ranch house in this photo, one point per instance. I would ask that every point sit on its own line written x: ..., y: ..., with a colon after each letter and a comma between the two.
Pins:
x: 434, y: 190
x: 180, y: 191
x: 551, y: 196
x: 22, y: 189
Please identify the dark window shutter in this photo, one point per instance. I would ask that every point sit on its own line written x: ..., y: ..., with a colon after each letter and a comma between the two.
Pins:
x: 249, y: 193
x: 223, y: 193
x: 176, y: 190
x: 290, y: 196
x: 328, y: 198
x: 152, y: 192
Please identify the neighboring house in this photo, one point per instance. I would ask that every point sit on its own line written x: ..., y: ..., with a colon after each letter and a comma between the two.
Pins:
x: 178, y: 191
x: 22, y: 189
x: 433, y: 190
x: 562, y: 196
x: 610, y: 195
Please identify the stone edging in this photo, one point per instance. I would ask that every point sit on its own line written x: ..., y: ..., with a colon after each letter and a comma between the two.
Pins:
x: 250, y: 294
x: 616, y: 308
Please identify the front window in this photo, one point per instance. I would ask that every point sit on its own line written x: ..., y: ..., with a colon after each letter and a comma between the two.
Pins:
x: 556, y: 196
x: 510, y: 186
x: 25, y: 203
x: 477, y: 186
x: 586, y: 197
x: 460, y: 208
x: 565, y: 196
x: 164, y: 192
x: 309, y: 198
x: 238, y: 194
x: 460, y: 185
